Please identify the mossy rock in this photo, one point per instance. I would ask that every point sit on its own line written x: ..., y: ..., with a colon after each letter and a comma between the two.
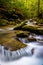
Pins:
x: 35, y: 29
x: 31, y: 39
x: 12, y: 44
x: 22, y: 34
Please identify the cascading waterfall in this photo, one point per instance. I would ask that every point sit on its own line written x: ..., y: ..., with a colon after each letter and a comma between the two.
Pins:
x: 32, y: 49
x: 9, y: 55
x: 37, y: 48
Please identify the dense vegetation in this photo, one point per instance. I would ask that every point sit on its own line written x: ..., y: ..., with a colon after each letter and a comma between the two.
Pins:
x: 29, y: 6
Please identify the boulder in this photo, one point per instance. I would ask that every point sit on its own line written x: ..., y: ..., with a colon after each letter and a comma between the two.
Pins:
x: 22, y: 35
x: 31, y: 39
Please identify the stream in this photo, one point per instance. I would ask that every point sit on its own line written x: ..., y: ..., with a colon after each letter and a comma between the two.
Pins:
x: 34, y: 50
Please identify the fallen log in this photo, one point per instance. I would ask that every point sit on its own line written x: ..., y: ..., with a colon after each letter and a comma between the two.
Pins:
x: 33, y: 29
x: 19, y: 26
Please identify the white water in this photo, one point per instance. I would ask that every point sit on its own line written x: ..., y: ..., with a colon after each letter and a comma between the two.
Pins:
x: 23, y: 56
x: 24, y: 61
x: 2, y: 30
x: 7, y: 29
x: 31, y: 23
x: 10, y: 28
x: 12, y: 55
x: 35, y: 59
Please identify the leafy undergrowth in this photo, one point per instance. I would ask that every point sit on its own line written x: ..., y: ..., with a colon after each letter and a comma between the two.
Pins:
x: 10, y: 18
x: 28, y: 7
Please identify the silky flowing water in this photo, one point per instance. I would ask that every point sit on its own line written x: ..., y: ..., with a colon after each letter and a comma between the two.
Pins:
x: 35, y: 58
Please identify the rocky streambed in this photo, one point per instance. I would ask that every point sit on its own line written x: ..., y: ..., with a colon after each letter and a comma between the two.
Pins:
x: 17, y: 43
x: 21, y: 45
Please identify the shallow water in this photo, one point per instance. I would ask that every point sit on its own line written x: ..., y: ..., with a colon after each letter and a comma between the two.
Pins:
x: 24, y: 61
x: 35, y: 59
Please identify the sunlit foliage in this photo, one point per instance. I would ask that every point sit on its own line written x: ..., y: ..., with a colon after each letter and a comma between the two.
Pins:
x: 28, y: 7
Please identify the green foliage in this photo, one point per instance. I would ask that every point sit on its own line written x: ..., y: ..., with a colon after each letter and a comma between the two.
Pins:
x: 28, y: 7
x: 3, y: 22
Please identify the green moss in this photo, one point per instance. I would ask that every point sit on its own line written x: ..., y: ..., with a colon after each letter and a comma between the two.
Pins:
x: 34, y: 29
x: 39, y: 21
x: 22, y: 34
x: 3, y: 22
x: 19, y: 26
